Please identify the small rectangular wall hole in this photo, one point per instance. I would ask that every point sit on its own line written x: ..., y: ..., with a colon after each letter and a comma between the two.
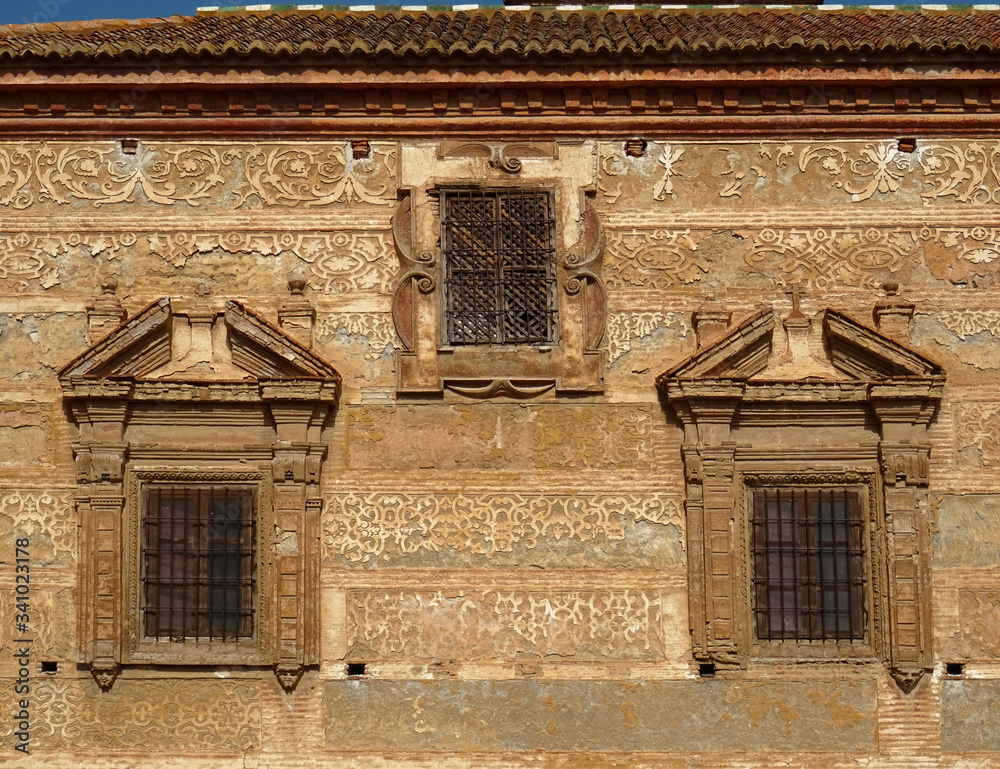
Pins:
x: 706, y: 670
x: 356, y: 668
x: 954, y: 668
x: 50, y: 667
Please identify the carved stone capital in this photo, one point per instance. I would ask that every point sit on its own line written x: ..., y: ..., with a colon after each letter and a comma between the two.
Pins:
x: 297, y: 462
x: 904, y: 463
x: 719, y: 465
x: 100, y: 462
x: 289, y: 463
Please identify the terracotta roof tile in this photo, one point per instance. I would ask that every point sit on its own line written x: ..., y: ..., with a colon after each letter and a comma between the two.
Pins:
x: 496, y: 31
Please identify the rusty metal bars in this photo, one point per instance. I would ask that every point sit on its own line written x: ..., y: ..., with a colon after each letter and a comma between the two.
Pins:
x: 198, y: 562
x: 500, y: 278
x: 809, y: 564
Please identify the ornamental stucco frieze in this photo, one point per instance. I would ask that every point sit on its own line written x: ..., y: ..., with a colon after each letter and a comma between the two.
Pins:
x: 978, y: 427
x: 811, y: 256
x: 335, y: 262
x: 201, y: 715
x: 793, y: 174
x: 365, y: 527
x: 491, y: 624
x: 232, y: 174
x: 47, y: 517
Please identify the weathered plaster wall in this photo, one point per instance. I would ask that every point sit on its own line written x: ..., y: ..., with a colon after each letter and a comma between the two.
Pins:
x: 512, y: 573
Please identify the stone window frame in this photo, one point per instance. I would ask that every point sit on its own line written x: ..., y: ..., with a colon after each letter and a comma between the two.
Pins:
x: 875, y: 403
x: 136, y: 648
x: 875, y: 561
x: 426, y: 364
x: 286, y: 399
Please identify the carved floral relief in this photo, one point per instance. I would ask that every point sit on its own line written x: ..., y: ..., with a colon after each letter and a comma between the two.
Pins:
x: 494, y: 624
x: 336, y: 262
x: 363, y: 527
x: 142, y: 716
x: 317, y: 175
x: 236, y: 175
x: 626, y: 327
x: 978, y: 425
x: 375, y: 328
x: 966, y: 323
x: 955, y: 172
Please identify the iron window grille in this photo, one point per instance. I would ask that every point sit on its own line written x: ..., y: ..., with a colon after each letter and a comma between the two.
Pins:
x: 198, y: 562
x: 809, y: 564
x: 499, y: 255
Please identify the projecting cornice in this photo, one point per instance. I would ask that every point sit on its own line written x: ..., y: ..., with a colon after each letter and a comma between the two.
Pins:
x: 546, y: 103
x: 553, y: 73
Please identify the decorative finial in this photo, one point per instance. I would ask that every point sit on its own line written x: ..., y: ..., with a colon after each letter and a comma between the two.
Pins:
x: 890, y: 287
x: 297, y: 283
x: 202, y: 291
x: 105, y: 312
x: 296, y: 315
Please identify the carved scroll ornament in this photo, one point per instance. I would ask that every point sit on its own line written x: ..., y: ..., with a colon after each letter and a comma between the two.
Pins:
x: 573, y: 361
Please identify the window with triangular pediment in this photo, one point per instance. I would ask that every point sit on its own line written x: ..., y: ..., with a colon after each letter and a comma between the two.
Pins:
x: 201, y: 439
x: 806, y: 462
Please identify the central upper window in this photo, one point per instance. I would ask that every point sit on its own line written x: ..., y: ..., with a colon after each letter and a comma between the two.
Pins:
x: 499, y: 247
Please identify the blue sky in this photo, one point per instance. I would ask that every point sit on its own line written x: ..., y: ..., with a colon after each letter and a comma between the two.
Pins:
x: 27, y: 11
